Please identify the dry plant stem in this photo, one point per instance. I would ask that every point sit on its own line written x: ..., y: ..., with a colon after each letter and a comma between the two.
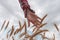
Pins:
x: 43, y: 18
x: 22, y: 34
x: 54, y: 36
x: 36, y: 33
x: 34, y: 29
x: 7, y: 36
x: 25, y: 29
x: 19, y: 30
x: 41, y: 25
x: 27, y: 35
x: 56, y: 27
x: 40, y: 31
x: 12, y: 38
x: 3, y: 24
x: 19, y: 24
x: 9, y: 31
x: 7, y: 25
x: 31, y: 38
x: 12, y: 31
x: 43, y: 36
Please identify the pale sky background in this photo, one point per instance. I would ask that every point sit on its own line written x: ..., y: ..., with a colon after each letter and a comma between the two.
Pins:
x: 11, y: 10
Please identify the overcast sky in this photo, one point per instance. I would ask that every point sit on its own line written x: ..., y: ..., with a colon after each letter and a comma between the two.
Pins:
x: 11, y: 10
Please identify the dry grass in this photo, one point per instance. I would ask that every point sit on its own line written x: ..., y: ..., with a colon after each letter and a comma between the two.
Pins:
x: 3, y: 24
x: 28, y: 36
x: 7, y: 25
x: 19, y: 30
x: 12, y: 30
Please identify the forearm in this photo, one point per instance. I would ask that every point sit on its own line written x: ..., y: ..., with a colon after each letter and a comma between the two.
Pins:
x: 25, y: 6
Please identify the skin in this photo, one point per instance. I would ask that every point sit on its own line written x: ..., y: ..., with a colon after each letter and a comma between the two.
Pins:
x: 30, y: 14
